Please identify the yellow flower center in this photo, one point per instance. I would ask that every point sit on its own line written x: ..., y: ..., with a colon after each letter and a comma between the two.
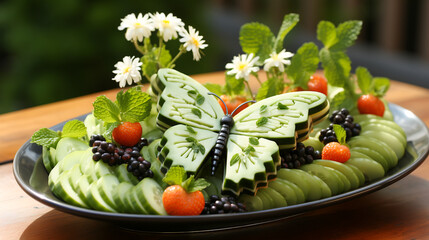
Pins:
x: 166, y: 22
x: 195, y: 41
x: 137, y: 25
x: 275, y: 57
x: 241, y: 66
x: 127, y: 69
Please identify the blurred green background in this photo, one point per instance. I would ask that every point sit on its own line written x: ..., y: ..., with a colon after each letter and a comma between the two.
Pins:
x: 53, y: 50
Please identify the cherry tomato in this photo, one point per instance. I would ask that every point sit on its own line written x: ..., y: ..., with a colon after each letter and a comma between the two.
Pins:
x: 232, y: 103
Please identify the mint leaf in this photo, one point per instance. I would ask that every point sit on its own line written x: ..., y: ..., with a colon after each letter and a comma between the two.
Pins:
x: 175, y: 175
x: 74, y: 128
x: 249, y: 149
x: 364, y: 79
x: 215, y: 88
x: 191, y: 139
x: 200, y: 99
x: 258, y: 39
x: 303, y: 64
x: 261, y: 121
x: 340, y: 133
x: 46, y: 137
x: 192, y: 185
x: 109, y: 130
x: 192, y: 94
x: 289, y: 22
x: 134, y: 105
x: 253, y: 141
x: 150, y: 64
x: 380, y: 86
x: 235, y: 158
x: 106, y: 110
x: 269, y: 88
x: 337, y: 66
x: 190, y: 129
x: 340, y: 98
x: 347, y: 33
x: 281, y: 106
x: 197, y: 112
x: 327, y: 33
x: 263, y: 108
x: 233, y: 85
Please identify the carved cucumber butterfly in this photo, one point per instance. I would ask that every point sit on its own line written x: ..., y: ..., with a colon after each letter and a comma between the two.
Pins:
x: 191, y: 118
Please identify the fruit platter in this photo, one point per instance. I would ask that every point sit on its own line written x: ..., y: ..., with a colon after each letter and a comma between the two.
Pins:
x: 183, y: 156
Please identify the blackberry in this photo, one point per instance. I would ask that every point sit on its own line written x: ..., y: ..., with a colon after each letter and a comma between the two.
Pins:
x: 94, y: 138
x: 218, y: 205
x: 113, y: 155
x: 295, y: 158
x: 343, y: 118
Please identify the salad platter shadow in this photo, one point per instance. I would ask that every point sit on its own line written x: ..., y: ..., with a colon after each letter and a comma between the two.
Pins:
x: 33, y: 179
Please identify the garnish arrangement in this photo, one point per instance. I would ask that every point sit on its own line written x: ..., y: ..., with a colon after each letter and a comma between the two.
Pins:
x: 183, y: 148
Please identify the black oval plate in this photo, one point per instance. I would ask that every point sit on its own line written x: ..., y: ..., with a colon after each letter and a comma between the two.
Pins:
x: 33, y: 179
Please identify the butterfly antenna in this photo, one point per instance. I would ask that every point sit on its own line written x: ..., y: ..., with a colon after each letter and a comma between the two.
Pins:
x: 239, y: 106
x: 214, y: 94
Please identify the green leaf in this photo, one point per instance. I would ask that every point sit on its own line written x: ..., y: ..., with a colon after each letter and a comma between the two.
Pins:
x: 289, y: 22
x: 380, y: 86
x: 340, y: 133
x: 201, y: 148
x: 233, y: 86
x: 109, y: 130
x: 106, y: 110
x: 281, y: 106
x: 197, y: 112
x: 249, y: 149
x: 364, y: 79
x: 74, y: 128
x: 340, y: 98
x: 190, y: 129
x: 347, y: 33
x: 46, y: 137
x: 134, y: 105
x: 261, y: 121
x: 263, y: 108
x: 327, y: 33
x: 235, y: 159
x: 253, y: 141
x: 200, y: 99
x: 192, y: 185
x: 191, y: 139
x: 269, y: 88
x: 215, y: 88
x: 192, y: 94
x: 337, y: 66
x: 258, y: 39
x: 150, y: 64
x: 303, y: 64
x: 175, y: 175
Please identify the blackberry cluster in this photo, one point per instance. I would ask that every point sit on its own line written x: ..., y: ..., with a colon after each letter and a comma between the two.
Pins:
x: 114, y: 155
x: 295, y: 158
x: 344, y: 119
x: 219, y: 205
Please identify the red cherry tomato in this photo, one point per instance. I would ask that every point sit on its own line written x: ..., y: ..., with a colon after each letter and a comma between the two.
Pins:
x: 232, y: 103
x: 318, y: 83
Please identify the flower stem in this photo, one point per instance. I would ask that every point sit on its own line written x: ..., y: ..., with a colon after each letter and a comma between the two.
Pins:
x: 248, y: 89
x: 181, y: 51
x: 160, y: 48
x: 259, y: 80
x: 136, y: 44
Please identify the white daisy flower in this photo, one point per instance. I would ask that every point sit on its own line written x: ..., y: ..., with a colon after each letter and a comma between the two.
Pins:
x: 192, y: 41
x: 127, y: 71
x: 137, y: 27
x: 168, y: 25
x: 278, y: 60
x: 242, y: 66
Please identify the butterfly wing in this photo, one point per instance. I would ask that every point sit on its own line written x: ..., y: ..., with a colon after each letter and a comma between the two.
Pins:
x: 284, y: 118
x: 185, y: 101
x: 250, y: 163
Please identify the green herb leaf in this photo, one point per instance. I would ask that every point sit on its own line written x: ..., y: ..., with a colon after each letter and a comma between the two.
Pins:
x: 74, y: 128
x: 281, y: 106
x: 201, y: 148
x: 289, y: 22
x: 150, y: 63
x: 253, y: 141
x: 134, y: 105
x: 364, y: 79
x: 192, y: 94
x: 215, y: 88
x: 106, y: 110
x: 269, y: 88
x: 235, y: 159
x: 233, y: 85
x: 261, y: 121
x: 340, y: 98
x: 191, y: 139
x: 46, y: 137
x: 175, y: 175
x: 263, y: 108
x: 109, y: 130
x: 327, y: 33
x: 190, y: 129
x: 303, y: 64
x: 340, y: 133
x: 347, y: 33
x: 249, y: 149
x: 197, y: 112
x: 192, y: 185
x: 337, y: 66
x: 380, y: 86
x: 258, y: 39
x: 200, y: 99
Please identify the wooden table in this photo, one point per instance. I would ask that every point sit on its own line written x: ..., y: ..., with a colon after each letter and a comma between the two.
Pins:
x: 400, y: 211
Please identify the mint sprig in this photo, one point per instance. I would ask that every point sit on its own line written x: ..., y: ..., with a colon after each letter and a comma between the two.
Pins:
x: 303, y: 64
x: 368, y: 85
x: 340, y: 133
x: 176, y: 175
x: 49, y: 138
x: 74, y: 129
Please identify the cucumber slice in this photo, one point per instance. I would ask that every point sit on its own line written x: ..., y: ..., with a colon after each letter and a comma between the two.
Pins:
x: 52, y: 153
x: 106, y: 186
x: 67, y: 145
x: 372, y: 143
x: 83, y: 188
x: 326, y: 191
x: 297, y: 178
x: 371, y: 169
x: 315, y: 192
x: 325, y: 174
x: 358, y: 173
x: 96, y: 201
x: 102, y: 169
x: 285, y: 190
x: 252, y: 203
x: 300, y: 197
x: 374, y: 155
x: 70, y: 160
x: 267, y: 201
x: 53, y: 177
x: 278, y: 199
x: 344, y: 169
x: 375, y: 126
x: 46, y: 159
x: 149, y: 192
x: 124, y: 176
x: 87, y: 166
x: 346, y: 182
x: 75, y: 175
x: 136, y: 203
x: 389, y: 139
x: 119, y: 196
x: 65, y: 191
